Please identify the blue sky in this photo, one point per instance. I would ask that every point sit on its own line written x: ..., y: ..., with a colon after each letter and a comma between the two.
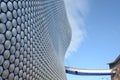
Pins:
x: 95, y: 40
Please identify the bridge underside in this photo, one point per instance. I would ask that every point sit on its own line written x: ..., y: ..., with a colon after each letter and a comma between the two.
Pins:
x: 75, y: 71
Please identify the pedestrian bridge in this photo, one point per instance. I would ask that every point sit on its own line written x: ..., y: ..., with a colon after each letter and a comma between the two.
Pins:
x: 76, y: 71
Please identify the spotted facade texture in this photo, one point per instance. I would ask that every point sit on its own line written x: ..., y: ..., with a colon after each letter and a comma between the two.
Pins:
x: 34, y: 36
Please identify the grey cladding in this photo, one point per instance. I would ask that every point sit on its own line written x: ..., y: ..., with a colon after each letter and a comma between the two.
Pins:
x: 34, y: 36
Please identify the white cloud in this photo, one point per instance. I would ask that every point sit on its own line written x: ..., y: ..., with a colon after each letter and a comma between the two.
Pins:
x: 76, y: 12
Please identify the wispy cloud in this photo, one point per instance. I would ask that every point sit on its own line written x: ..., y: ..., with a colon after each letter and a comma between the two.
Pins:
x: 76, y: 12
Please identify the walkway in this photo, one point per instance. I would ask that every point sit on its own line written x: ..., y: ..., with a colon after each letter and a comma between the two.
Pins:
x: 76, y: 71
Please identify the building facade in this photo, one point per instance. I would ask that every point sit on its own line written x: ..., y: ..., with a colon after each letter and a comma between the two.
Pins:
x: 116, y: 67
x: 34, y: 36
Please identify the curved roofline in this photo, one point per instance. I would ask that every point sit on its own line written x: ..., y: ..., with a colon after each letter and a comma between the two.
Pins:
x: 118, y: 58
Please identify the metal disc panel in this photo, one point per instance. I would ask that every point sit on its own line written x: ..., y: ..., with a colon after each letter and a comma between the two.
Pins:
x: 33, y: 39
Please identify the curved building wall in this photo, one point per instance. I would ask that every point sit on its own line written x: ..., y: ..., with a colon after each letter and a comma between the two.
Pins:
x: 34, y: 36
